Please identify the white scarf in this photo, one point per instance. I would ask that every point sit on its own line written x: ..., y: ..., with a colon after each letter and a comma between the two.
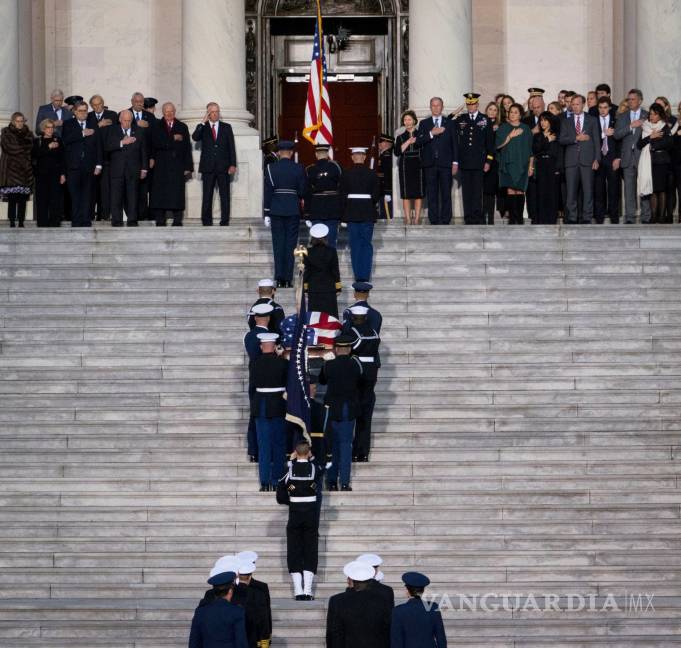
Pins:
x: 645, y: 163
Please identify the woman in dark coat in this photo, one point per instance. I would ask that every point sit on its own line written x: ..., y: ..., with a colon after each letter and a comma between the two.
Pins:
x: 50, y: 176
x: 412, y: 184
x: 16, y: 170
x: 547, y: 153
x: 490, y: 179
x: 321, y: 278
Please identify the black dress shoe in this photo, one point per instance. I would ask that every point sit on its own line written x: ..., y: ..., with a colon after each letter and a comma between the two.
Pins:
x: 264, y: 488
x: 132, y: 223
x: 361, y: 458
x: 253, y: 458
x: 224, y: 223
x: 346, y: 487
x: 332, y: 486
x: 308, y: 597
x: 301, y: 597
x: 281, y: 284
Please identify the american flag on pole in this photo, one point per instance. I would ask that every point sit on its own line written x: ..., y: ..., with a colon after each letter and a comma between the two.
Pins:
x: 298, y: 385
x: 318, y: 129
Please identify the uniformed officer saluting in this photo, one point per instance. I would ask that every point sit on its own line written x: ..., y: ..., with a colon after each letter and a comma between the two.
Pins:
x: 476, y: 152
x: 362, y: 289
x: 358, y: 618
x: 221, y: 624
x: 413, y: 624
x: 285, y: 186
x: 360, y: 192
x: 269, y: 375
x: 323, y: 200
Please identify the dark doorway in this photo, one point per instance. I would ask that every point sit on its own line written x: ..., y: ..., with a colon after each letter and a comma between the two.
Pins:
x: 354, y: 113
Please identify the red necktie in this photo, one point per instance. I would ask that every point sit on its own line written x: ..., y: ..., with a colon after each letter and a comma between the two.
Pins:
x: 169, y: 126
x: 214, y: 131
x: 578, y: 125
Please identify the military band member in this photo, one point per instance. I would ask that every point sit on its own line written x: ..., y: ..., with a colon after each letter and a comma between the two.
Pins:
x: 342, y: 376
x: 476, y: 153
x: 323, y: 200
x: 415, y: 625
x: 302, y: 481
x: 321, y: 277
x: 375, y: 584
x: 254, y: 603
x: 269, y: 376
x: 365, y: 349
x: 285, y: 186
x: 385, y: 175
x: 360, y: 192
x: 266, y: 293
x: 269, y: 151
x: 362, y: 289
x: 357, y: 618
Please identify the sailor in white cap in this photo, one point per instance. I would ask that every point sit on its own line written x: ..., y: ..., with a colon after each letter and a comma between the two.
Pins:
x: 252, y: 599
x: 268, y: 377
x: 250, y: 556
x: 357, y: 618
x: 266, y: 292
x: 321, y: 277
x: 360, y: 190
x: 382, y: 590
x: 223, y: 564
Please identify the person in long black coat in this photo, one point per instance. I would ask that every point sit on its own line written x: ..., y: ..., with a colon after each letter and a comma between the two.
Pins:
x: 547, y: 154
x: 173, y: 165
x: 50, y: 175
x: 321, y: 278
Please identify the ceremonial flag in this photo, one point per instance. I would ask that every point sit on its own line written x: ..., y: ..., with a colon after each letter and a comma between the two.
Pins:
x: 297, y: 384
x: 318, y: 129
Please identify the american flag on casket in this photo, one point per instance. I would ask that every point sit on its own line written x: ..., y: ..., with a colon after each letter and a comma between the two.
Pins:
x: 321, y: 331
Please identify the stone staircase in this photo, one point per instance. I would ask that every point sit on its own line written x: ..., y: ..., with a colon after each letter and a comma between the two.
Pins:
x: 527, y: 434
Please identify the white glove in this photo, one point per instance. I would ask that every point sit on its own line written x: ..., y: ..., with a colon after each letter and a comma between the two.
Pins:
x: 268, y: 221
x: 388, y: 198
x: 344, y: 224
x: 328, y: 465
x: 308, y: 223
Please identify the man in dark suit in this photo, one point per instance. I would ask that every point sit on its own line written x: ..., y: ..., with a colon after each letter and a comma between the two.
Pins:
x: 54, y: 110
x: 579, y: 136
x: 173, y: 166
x: 535, y: 107
x: 127, y: 152
x: 607, y: 185
x: 217, y: 164
x: 628, y: 133
x: 83, y: 152
x: 99, y: 119
x: 436, y: 136
x: 603, y: 92
x: 476, y: 152
x: 142, y: 117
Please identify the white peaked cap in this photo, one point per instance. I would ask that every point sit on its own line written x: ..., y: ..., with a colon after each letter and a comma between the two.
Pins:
x: 224, y: 564
x: 358, y: 149
x: 266, y: 283
x: 379, y: 576
x: 359, y: 571
x: 319, y: 230
x: 373, y: 559
x: 246, y: 567
x: 248, y: 556
x: 262, y: 309
x: 268, y: 337
x: 359, y: 310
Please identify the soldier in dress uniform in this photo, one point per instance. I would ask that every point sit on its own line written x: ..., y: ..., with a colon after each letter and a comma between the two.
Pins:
x: 252, y: 556
x: 375, y: 583
x: 362, y: 289
x: 360, y: 191
x: 365, y: 349
x: 285, y: 186
x: 302, y: 481
x: 357, y: 618
x: 413, y: 624
x: 266, y: 292
x: 221, y: 623
x: 385, y: 175
x: 269, y: 375
x: 262, y: 315
x: 342, y: 376
x: 252, y: 599
x: 323, y: 200
x: 476, y: 153
x: 321, y: 278
x: 269, y: 151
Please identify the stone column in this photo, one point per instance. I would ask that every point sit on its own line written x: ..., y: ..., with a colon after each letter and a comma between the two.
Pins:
x: 214, y: 69
x: 9, y: 55
x: 658, y: 49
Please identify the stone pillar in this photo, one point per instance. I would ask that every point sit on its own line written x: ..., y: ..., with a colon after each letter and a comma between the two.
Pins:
x: 658, y: 49
x: 214, y: 69
x: 9, y: 55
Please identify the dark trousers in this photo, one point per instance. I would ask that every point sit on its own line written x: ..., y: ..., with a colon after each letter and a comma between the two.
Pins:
x: 439, y: 194
x: 576, y: 178
x: 361, y: 249
x: 471, y: 194
x: 209, y: 181
x: 49, y: 201
x: 16, y: 208
x: 81, y: 185
x: 124, y: 196
x: 607, y: 189
x: 284, y: 239
x: 532, y: 199
x: 302, y: 536
x: 367, y: 402
x: 251, y: 436
x: 488, y: 209
x: 143, y: 197
x: 271, y: 449
x: 101, y: 195
x: 161, y: 217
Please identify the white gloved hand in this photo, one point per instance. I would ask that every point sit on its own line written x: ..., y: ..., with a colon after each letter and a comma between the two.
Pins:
x: 343, y: 224
x: 267, y: 221
x: 308, y: 223
x: 388, y: 198
x: 328, y: 465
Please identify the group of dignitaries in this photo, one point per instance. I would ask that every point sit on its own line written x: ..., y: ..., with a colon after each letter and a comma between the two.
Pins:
x: 236, y: 611
x: 87, y: 162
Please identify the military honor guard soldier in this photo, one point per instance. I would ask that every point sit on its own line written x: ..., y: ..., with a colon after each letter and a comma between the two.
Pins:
x: 285, y: 187
x: 385, y: 175
x: 362, y: 289
x: 375, y: 583
x: 256, y: 607
x: 321, y: 277
x: 415, y: 625
x: 252, y: 557
x: 360, y: 192
x: 323, y: 200
x: 476, y: 153
x: 266, y: 291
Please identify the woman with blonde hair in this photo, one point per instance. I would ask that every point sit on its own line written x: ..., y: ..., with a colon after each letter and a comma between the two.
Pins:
x: 16, y: 170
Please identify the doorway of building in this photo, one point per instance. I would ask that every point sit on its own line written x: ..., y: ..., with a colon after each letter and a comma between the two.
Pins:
x: 354, y: 115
